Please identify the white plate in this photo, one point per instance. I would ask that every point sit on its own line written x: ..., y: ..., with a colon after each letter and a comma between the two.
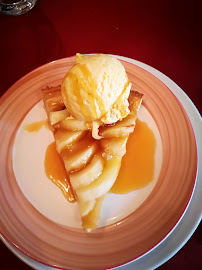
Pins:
x: 192, y: 216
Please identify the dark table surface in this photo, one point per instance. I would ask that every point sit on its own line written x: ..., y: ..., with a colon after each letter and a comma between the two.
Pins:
x: 163, y: 34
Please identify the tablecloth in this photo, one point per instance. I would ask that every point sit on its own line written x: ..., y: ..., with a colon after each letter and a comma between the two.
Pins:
x: 163, y: 34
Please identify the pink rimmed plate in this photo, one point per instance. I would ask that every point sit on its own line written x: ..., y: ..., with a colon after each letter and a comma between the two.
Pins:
x: 59, y: 245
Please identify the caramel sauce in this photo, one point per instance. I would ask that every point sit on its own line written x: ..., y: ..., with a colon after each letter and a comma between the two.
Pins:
x: 86, y: 84
x: 56, y: 172
x: 94, y: 95
x: 76, y: 87
x: 137, y: 167
x: 89, y: 85
x: 36, y: 126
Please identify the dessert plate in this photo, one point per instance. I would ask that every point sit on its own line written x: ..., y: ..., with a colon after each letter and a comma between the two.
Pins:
x: 65, y: 245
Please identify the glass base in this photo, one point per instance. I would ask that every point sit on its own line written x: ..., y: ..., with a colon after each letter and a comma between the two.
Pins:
x: 16, y: 7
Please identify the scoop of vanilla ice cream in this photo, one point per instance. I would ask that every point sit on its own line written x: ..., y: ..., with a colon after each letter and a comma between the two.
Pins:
x: 96, y: 88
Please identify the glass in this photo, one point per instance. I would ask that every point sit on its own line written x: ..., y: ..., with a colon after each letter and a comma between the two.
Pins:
x: 14, y: 7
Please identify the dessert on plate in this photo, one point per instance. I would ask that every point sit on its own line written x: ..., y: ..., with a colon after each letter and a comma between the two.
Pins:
x: 91, y: 116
